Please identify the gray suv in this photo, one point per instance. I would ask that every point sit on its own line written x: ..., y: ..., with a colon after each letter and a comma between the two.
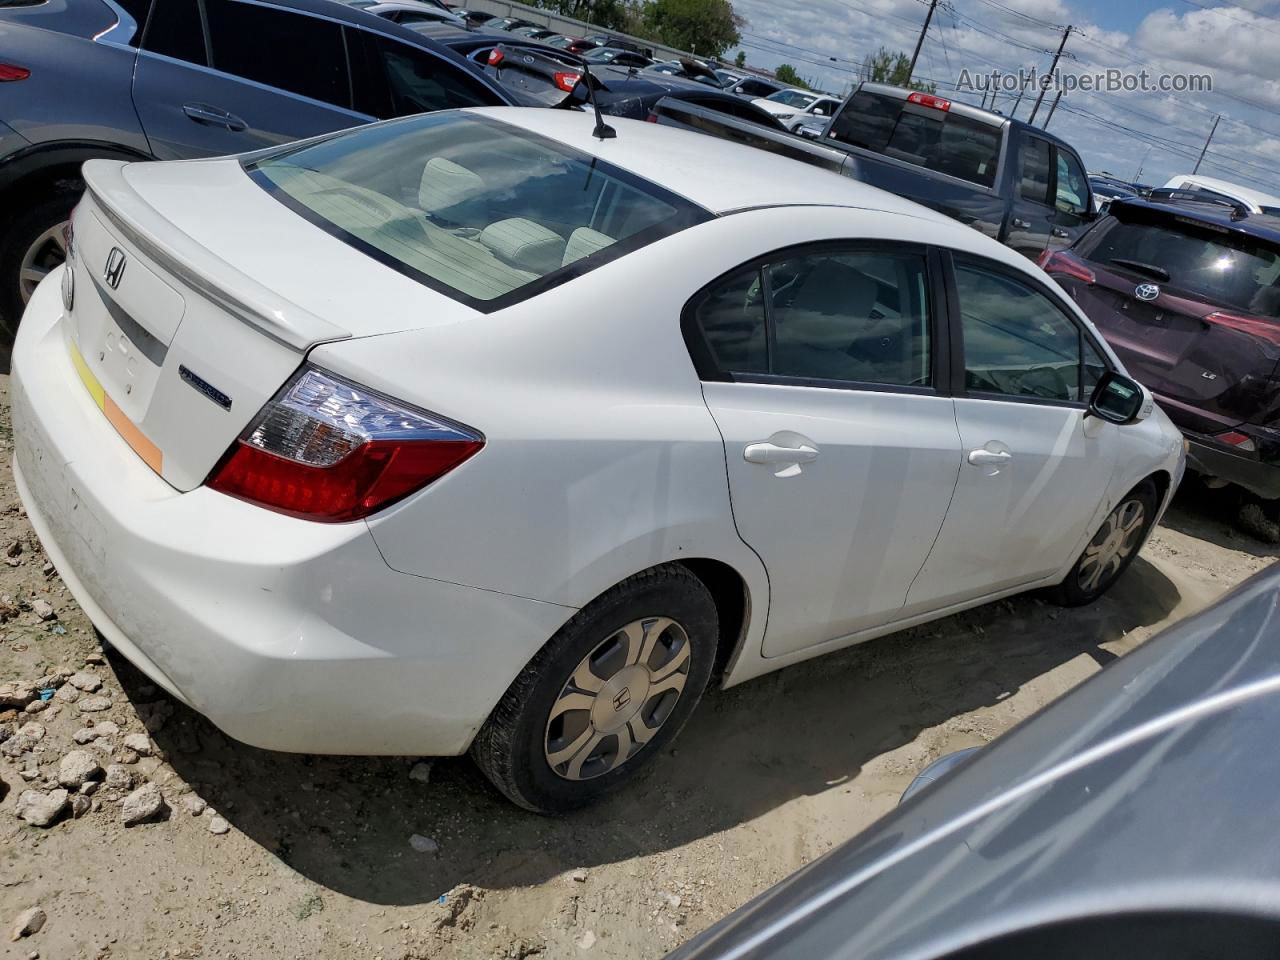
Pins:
x: 176, y: 79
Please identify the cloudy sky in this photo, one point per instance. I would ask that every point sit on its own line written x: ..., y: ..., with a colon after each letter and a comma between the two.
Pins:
x: 1237, y: 43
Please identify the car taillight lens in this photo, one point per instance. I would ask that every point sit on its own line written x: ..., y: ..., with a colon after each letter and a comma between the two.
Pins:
x: 1239, y: 440
x: 496, y: 56
x: 1254, y: 326
x: 567, y: 81
x: 11, y: 71
x: 929, y: 100
x: 1059, y: 261
x: 329, y: 450
x: 651, y: 118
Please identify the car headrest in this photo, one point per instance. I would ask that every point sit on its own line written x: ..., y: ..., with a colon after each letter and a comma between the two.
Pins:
x: 445, y: 184
x: 583, y: 242
x: 524, y: 244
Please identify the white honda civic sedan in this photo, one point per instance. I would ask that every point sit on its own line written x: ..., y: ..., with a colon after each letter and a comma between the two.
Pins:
x: 470, y: 431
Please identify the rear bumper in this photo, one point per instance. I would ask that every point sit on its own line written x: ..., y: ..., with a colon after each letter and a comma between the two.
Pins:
x: 1258, y: 476
x: 288, y: 635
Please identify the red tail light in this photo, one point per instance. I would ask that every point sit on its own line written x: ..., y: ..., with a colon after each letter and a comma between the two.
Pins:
x: 331, y: 451
x: 496, y: 56
x: 1256, y: 326
x: 651, y: 118
x: 1238, y: 440
x: 929, y: 100
x: 1066, y: 264
x: 11, y: 71
x: 567, y: 81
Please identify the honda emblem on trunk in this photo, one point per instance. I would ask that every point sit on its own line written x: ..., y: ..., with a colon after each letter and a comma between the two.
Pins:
x: 114, y: 270
x: 1146, y: 291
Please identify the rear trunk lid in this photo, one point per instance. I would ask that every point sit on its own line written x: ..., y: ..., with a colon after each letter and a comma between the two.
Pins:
x: 1191, y: 312
x: 197, y: 296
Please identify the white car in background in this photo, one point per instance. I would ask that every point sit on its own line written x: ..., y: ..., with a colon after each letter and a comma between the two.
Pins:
x: 1255, y: 200
x: 794, y: 107
x: 470, y: 431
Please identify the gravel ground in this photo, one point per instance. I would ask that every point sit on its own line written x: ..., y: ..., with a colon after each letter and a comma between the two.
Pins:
x: 335, y: 857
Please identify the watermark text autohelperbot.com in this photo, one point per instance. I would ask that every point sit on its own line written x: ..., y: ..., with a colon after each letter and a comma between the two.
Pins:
x: 1111, y: 80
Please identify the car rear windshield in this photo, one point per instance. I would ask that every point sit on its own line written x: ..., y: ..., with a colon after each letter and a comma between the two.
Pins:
x: 937, y: 140
x: 475, y: 208
x: 1208, y: 262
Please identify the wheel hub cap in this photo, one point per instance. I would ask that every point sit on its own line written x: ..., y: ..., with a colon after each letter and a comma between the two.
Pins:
x: 617, y: 698
x: 48, y: 252
x: 1112, y: 545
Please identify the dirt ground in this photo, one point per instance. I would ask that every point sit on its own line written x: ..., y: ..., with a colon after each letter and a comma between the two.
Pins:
x: 318, y: 863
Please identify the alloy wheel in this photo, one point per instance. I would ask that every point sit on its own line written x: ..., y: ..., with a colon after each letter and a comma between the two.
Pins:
x: 617, y: 698
x: 1111, y: 547
x: 46, y: 254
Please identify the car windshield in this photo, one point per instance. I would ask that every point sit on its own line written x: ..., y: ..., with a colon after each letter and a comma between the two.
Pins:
x: 1230, y: 269
x: 475, y: 208
x: 601, y: 55
x: 792, y: 98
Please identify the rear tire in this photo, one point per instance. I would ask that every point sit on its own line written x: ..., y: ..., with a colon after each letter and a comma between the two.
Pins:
x: 31, y: 247
x: 606, y: 694
x: 1111, y: 550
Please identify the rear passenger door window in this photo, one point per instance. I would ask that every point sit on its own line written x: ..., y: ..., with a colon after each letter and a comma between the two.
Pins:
x: 833, y: 316
x: 394, y: 80
x: 174, y: 30
x: 1035, y: 180
x: 289, y: 51
x: 1017, y: 342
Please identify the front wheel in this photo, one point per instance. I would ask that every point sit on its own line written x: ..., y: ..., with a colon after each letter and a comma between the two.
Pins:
x: 1112, y: 548
x: 605, y: 695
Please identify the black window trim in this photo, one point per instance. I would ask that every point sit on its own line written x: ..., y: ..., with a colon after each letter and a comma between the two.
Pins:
x: 1083, y: 334
x: 1051, y: 172
x: 1053, y: 189
x: 940, y: 353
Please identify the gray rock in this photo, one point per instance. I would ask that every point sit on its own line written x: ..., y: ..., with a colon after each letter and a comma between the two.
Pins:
x: 40, y: 809
x: 67, y: 693
x: 77, y: 767
x: 29, y: 923
x: 16, y: 695
x: 16, y: 746
x: 423, y: 844
x: 95, y: 704
x: 84, y: 736
x: 80, y: 805
x: 194, y: 805
x: 14, y: 549
x: 218, y: 826
x: 33, y: 730
x: 420, y: 771
x: 89, y: 788
x: 48, y: 568
x: 105, y: 728
x: 43, y: 609
x: 119, y: 777
x: 36, y: 706
x: 88, y: 682
x: 141, y: 805
x: 139, y: 743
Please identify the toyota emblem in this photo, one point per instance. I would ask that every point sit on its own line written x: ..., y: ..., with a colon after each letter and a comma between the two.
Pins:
x: 1146, y: 291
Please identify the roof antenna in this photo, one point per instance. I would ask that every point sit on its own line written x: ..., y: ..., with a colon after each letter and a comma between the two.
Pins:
x: 602, y: 131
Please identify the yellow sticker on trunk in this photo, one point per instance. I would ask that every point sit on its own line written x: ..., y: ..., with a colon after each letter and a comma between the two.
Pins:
x: 151, y: 454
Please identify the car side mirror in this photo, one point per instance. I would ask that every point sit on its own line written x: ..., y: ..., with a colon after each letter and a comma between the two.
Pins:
x: 1120, y: 399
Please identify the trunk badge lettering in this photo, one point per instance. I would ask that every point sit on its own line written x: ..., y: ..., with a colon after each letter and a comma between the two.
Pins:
x: 113, y: 273
x: 204, y: 387
x: 1146, y: 291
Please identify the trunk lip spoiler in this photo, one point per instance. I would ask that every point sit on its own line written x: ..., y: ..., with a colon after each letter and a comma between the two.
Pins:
x: 165, y: 244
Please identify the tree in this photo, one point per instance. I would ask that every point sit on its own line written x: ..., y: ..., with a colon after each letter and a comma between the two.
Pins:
x: 705, y: 27
x: 787, y: 74
x: 740, y: 60
x: 892, y: 68
x: 620, y: 15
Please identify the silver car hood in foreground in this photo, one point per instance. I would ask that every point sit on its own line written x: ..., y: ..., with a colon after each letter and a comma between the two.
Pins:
x: 1139, y: 812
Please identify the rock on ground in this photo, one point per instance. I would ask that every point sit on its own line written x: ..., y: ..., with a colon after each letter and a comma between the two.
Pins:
x: 40, y: 809
x: 218, y: 826
x: 141, y: 805
x: 29, y: 923
x: 139, y: 743
x: 43, y: 609
x: 87, y: 682
x: 95, y: 704
x: 77, y: 767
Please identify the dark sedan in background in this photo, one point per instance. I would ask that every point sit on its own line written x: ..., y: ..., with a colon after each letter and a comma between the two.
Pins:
x: 1133, y: 819
x: 1187, y: 291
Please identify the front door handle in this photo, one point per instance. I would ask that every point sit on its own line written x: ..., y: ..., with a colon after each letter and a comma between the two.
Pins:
x: 989, y: 458
x: 1021, y: 224
x: 213, y: 117
x: 766, y: 452
x: 1060, y: 233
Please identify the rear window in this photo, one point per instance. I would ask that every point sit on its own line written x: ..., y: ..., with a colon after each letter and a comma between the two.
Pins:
x: 1223, y: 268
x: 475, y: 208
x: 937, y: 140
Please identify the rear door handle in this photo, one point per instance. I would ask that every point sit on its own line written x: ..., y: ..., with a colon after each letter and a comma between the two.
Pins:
x: 766, y: 452
x: 989, y: 458
x: 213, y: 117
x: 1021, y: 224
x: 1060, y: 233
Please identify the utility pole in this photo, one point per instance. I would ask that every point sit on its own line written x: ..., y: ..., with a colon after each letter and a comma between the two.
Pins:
x: 1051, y: 109
x: 933, y: 5
x: 1205, y: 149
x: 1017, y: 103
x: 1137, y: 174
x: 1052, y: 67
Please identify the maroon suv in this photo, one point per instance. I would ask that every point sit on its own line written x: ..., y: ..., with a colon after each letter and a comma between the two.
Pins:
x: 1187, y: 292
